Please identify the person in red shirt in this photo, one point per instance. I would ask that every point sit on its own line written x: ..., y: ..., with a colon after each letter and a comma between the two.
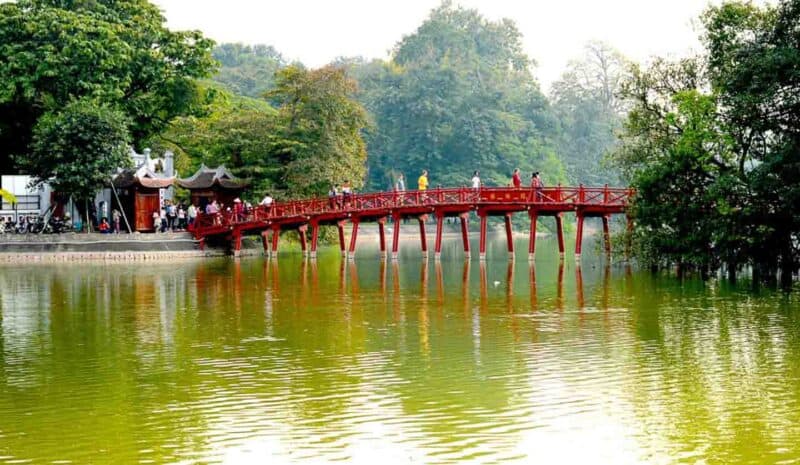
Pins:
x: 516, y: 181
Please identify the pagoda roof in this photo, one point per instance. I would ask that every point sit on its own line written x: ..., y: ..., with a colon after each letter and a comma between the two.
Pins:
x: 142, y: 176
x: 206, y: 178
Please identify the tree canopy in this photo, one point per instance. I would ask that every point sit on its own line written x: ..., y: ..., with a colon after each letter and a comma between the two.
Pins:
x: 458, y: 96
x: 713, y: 145
x: 119, y: 52
x: 78, y: 149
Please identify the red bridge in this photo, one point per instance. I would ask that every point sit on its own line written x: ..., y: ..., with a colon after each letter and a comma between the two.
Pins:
x: 379, y: 207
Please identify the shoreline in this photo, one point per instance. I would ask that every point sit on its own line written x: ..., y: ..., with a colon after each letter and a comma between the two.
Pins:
x: 95, y: 247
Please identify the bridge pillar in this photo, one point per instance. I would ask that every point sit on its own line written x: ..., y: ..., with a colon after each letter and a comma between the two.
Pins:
x: 340, y: 228
x: 628, y: 236
x: 276, y: 233
x: 534, y: 215
x: 509, y: 235
x: 314, y: 239
x: 301, y: 231
x: 482, y: 246
x: 437, y: 250
x: 606, y: 233
x: 236, y: 242
x: 560, y: 234
x: 353, y: 236
x: 265, y: 241
x: 579, y: 235
x: 395, y: 236
x: 464, y: 217
x: 382, y: 235
x: 423, y: 242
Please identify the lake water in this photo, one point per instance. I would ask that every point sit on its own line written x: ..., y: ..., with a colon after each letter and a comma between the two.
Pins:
x: 293, y: 361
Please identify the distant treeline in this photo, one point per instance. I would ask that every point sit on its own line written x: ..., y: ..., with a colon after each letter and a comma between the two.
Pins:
x: 459, y: 95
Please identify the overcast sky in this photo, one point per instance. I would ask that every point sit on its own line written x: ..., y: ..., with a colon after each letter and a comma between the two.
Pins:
x: 554, y: 31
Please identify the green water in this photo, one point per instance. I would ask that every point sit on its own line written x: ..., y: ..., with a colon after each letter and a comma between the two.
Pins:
x: 291, y: 361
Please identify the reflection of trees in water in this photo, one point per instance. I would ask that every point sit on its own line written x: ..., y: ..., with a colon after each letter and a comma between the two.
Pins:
x: 92, y: 382
x: 721, y: 368
x: 438, y: 353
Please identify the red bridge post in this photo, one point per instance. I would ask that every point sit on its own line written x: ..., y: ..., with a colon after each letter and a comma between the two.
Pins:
x: 314, y: 239
x: 276, y: 232
x: 606, y: 234
x: 560, y: 233
x: 509, y: 235
x: 301, y: 231
x: 353, y: 237
x: 382, y: 235
x: 533, y: 214
x: 340, y: 228
x: 237, y: 241
x: 482, y: 245
x: 437, y: 251
x: 464, y: 217
x: 422, y: 239
x: 395, y: 235
x: 579, y: 236
x: 265, y: 241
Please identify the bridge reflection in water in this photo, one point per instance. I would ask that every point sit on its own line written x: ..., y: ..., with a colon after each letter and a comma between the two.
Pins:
x: 311, y: 361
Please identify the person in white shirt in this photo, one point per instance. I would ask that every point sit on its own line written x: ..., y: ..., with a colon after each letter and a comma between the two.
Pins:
x: 476, y: 181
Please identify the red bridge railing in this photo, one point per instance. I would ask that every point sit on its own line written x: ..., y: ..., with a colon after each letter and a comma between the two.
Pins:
x: 585, y: 201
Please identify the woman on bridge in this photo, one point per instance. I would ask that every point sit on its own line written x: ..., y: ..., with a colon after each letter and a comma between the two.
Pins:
x: 536, y: 185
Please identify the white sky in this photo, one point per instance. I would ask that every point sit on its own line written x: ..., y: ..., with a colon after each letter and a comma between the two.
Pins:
x: 554, y: 31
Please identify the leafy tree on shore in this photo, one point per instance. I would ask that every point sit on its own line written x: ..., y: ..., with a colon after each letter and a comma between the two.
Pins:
x: 77, y: 150
x: 713, y: 146
x: 116, y: 52
x: 306, y: 137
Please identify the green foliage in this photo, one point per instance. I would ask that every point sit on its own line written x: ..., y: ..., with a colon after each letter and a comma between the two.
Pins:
x: 318, y: 139
x: 298, y: 148
x: 585, y: 101
x: 713, y: 146
x: 78, y: 149
x: 248, y: 70
x: 458, y: 96
x: 117, y: 52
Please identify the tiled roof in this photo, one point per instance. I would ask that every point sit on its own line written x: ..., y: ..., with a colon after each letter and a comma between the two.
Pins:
x: 142, y: 176
x: 206, y: 177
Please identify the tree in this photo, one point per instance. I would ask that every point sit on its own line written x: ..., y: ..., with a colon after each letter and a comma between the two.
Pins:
x: 309, y: 139
x: 754, y: 63
x: 458, y: 96
x: 78, y: 149
x: 248, y: 70
x: 236, y: 131
x: 713, y: 146
x: 585, y: 99
x: 115, y: 51
x: 318, y: 139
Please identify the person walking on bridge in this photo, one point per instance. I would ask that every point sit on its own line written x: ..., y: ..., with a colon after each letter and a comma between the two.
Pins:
x: 516, y: 181
x: 422, y: 186
x: 347, y: 194
x: 266, y: 203
x: 400, y: 185
x: 536, y: 185
x: 476, y: 180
